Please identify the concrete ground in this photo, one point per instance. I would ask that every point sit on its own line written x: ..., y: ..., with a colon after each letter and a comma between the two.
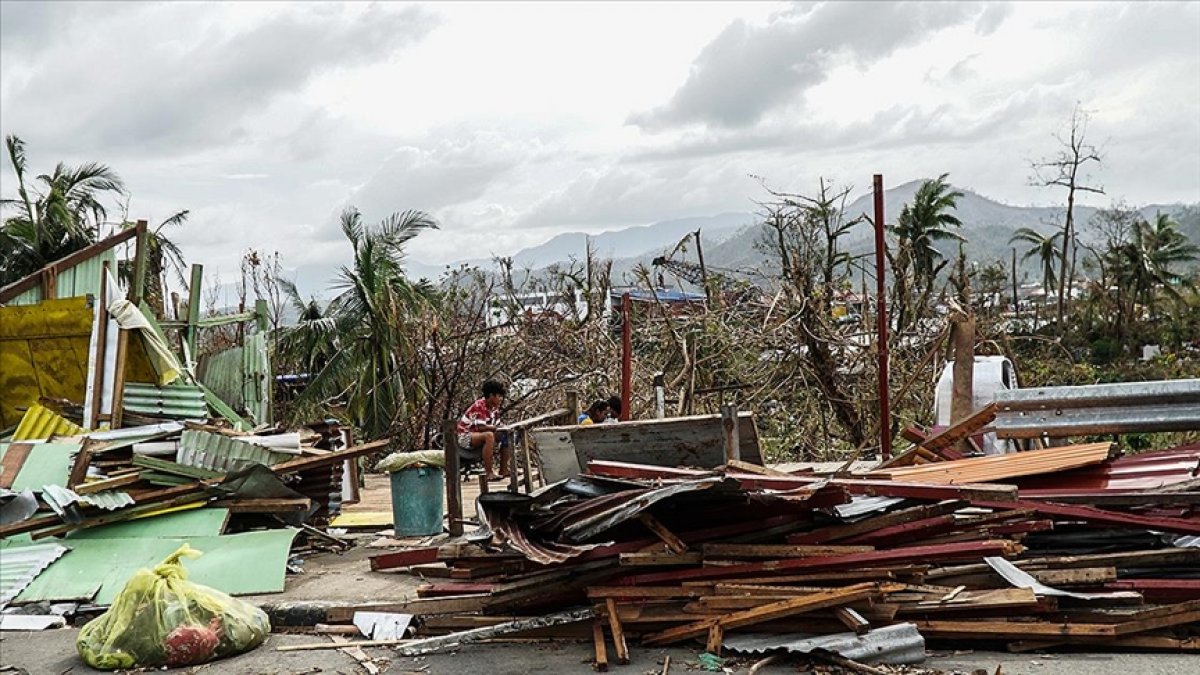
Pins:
x: 53, y: 653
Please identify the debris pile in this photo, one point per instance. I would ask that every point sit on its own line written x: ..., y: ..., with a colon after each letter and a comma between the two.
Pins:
x: 751, y: 559
x: 100, y: 505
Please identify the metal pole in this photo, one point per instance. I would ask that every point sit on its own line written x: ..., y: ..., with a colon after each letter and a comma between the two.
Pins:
x: 885, y: 417
x: 626, y: 356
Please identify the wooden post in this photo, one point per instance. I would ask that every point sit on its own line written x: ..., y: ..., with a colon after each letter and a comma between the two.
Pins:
x: 573, y: 409
x: 729, y: 429
x: 626, y: 356
x: 137, y: 289
x: 49, y: 282
x: 1016, y: 298
x: 262, y: 315
x: 513, y: 478
x: 193, y: 317
x: 526, y: 448
x: 118, y: 402
x: 660, y: 396
x: 101, y: 340
x: 454, y: 505
x: 962, y: 331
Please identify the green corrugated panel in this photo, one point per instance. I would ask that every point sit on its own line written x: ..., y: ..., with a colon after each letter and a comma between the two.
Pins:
x: 256, y: 378
x: 81, y: 279
x: 241, y: 376
x: 174, y: 401
x: 222, y: 453
x: 222, y: 373
x: 46, y: 464
x: 39, y: 423
x: 238, y: 564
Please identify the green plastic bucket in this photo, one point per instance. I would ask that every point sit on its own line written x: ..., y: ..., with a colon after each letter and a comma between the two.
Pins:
x: 417, y: 501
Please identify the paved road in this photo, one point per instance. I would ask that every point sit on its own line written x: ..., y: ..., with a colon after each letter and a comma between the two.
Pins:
x: 53, y: 653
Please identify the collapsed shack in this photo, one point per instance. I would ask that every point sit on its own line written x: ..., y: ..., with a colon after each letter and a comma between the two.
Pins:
x: 120, y: 442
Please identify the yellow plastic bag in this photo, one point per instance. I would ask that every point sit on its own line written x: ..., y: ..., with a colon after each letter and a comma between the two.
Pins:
x: 161, y: 618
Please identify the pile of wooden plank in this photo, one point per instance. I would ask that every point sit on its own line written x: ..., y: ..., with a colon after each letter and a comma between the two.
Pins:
x: 666, y: 555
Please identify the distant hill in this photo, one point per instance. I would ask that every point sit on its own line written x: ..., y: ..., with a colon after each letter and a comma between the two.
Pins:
x: 988, y: 226
x: 730, y: 239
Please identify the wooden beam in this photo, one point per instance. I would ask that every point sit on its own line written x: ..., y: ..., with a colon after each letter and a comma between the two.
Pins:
x: 454, y: 504
x: 193, y: 314
x: 107, y: 484
x: 598, y: 643
x: 775, y: 610
x: 961, y: 430
x: 21, y: 285
x: 618, y: 631
x: 673, y: 542
x: 140, y: 254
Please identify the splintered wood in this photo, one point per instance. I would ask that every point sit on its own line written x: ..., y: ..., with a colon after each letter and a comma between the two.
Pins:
x: 673, y: 555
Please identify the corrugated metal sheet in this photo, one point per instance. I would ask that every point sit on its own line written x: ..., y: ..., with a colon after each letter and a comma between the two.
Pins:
x: 898, y: 644
x: 1147, y: 471
x: 222, y: 453
x: 241, y: 376
x: 39, y: 423
x: 176, y: 401
x: 20, y: 565
x: 81, y: 279
x: 60, y: 498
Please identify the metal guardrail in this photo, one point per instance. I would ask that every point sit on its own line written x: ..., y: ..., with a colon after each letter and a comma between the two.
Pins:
x: 1128, y: 407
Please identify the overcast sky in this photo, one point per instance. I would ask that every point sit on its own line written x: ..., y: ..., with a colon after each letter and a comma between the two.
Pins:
x: 515, y: 122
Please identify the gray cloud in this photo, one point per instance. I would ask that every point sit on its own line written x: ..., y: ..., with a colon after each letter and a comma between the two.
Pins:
x: 749, y: 70
x: 180, y: 82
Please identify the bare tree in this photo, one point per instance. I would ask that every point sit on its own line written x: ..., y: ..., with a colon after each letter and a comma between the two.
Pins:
x: 1067, y: 168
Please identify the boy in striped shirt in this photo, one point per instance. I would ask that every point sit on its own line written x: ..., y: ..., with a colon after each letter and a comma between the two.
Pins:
x: 479, y: 430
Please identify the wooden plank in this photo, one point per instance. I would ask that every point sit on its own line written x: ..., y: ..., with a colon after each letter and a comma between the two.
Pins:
x: 10, y: 465
x: 979, y: 550
x: 718, y: 551
x: 387, y: 561
x: 618, y: 632
x: 244, y: 505
x: 771, y: 611
x: 962, y: 430
x: 747, y: 467
x: 598, y: 643
x: 716, y: 635
x: 641, y: 592
x: 656, y: 559
x: 454, y: 500
x: 837, y: 532
x: 1000, y: 467
x: 673, y: 542
x: 95, y: 486
x: 852, y: 620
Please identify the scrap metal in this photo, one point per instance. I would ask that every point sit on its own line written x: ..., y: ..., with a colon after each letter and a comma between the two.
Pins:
x: 896, y: 645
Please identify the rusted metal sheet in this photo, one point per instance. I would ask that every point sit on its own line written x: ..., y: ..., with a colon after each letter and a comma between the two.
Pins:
x: 1147, y: 471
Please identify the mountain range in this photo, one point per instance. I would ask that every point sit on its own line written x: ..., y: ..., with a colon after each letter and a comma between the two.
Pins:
x: 729, y: 239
